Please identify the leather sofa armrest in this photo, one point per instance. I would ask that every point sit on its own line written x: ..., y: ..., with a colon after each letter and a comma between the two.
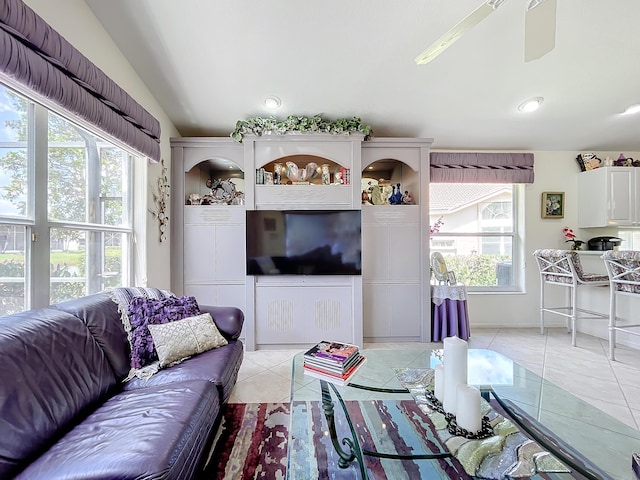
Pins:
x: 229, y: 320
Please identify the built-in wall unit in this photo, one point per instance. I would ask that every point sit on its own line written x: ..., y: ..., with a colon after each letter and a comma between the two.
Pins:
x: 314, y: 236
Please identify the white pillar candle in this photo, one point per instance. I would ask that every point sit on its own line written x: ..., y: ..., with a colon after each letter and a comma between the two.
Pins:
x: 455, y: 370
x: 468, y: 415
x: 438, y: 382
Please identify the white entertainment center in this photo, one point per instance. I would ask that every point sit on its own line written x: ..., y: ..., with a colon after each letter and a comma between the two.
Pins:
x: 388, y: 302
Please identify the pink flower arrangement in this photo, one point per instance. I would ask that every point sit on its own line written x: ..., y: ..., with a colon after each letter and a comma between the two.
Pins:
x: 435, y: 228
x: 571, y: 237
x: 568, y: 234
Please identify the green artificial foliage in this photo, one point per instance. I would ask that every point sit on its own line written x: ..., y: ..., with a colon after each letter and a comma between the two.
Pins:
x: 316, y: 124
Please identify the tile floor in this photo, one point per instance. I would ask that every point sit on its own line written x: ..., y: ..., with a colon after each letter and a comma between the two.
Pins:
x: 585, y: 370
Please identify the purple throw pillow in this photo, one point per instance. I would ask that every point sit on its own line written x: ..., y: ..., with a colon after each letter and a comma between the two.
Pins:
x: 153, y: 311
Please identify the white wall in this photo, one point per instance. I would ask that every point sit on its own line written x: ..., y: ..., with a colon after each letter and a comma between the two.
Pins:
x: 74, y: 20
x: 554, y: 172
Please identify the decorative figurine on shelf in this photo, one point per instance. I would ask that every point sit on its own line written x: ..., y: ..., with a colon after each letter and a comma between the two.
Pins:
x: 195, y: 199
x: 326, y: 176
x: 407, y: 198
x: 365, y: 197
x: 396, y: 195
x: 345, y: 175
x: 277, y: 173
x: 377, y: 196
x: 337, y: 178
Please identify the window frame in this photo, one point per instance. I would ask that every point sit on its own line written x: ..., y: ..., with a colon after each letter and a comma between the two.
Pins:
x: 516, y: 236
x: 38, y: 226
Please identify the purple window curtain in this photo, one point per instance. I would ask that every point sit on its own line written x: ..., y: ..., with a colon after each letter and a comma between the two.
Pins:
x: 454, y: 167
x: 35, y: 55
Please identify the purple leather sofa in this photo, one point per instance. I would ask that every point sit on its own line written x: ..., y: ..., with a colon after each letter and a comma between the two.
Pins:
x: 66, y: 414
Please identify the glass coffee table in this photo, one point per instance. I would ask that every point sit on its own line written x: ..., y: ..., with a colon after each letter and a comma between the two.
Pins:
x: 372, y: 427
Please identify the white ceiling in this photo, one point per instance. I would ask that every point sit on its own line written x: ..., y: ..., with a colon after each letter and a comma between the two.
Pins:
x: 210, y: 63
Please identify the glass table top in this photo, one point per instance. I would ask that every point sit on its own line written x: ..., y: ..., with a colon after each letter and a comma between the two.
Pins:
x: 603, y: 440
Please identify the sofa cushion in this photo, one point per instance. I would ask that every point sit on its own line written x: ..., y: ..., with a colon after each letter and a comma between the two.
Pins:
x: 176, y: 341
x: 53, y: 370
x: 219, y: 366
x: 102, y: 318
x: 158, y: 432
x: 150, y: 311
x: 122, y: 297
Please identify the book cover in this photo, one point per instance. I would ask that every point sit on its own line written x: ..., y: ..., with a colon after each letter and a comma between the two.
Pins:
x: 340, y: 380
x: 339, y: 368
x: 335, y: 351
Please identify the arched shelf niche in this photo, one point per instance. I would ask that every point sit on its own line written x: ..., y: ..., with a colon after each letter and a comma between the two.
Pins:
x: 201, y: 173
x: 312, y: 164
x: 387, y: 173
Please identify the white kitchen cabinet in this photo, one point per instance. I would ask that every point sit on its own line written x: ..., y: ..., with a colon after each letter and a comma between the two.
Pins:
x: 609, y: 196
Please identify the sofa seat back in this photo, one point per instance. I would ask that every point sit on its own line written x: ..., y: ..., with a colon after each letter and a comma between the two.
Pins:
x: 100, y: 314
x: 58, y: 373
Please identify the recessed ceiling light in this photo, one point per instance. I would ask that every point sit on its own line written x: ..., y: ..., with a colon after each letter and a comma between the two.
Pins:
x: 531, y: 105
x: 631, y: 109
x: 272, y: 102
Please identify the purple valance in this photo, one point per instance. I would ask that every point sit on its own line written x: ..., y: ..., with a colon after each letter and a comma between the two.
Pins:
x: 460, y: 167
x: 35, y: 55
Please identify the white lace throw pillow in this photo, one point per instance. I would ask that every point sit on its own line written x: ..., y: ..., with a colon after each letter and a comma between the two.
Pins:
x: 179, y: 340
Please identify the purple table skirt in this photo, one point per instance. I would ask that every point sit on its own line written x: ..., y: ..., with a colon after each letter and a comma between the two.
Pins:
x: 449, y: 319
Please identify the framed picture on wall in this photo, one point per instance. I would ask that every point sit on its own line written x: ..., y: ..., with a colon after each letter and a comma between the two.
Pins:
x: 553, y: 205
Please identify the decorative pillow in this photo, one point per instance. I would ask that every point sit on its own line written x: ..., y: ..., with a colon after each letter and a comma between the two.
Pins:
x: 177, y: 341
x: 150, y: 311
x: 122, y: 296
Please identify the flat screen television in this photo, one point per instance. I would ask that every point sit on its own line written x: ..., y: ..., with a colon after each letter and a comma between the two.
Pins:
x: 304, y: 242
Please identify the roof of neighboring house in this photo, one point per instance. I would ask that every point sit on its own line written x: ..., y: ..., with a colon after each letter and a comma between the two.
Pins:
x: 449, y: 197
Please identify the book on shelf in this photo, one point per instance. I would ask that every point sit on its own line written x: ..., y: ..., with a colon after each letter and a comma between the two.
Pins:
x: 331, y: 352
x: 338, y: 379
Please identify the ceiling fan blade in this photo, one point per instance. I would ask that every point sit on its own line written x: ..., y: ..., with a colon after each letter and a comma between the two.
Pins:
x: 446, y: 40
x: 539, y: 29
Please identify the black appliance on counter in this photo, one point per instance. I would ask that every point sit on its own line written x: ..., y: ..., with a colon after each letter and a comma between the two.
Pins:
x: 604, y: 243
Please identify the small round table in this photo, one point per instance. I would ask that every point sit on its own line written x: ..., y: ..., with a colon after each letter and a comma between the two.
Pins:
x: 449, y: 314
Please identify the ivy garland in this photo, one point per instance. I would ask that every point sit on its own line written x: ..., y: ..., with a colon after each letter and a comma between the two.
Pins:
x: 316, y: 124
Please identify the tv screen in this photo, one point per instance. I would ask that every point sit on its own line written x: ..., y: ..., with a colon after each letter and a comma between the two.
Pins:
x: 304, y: 242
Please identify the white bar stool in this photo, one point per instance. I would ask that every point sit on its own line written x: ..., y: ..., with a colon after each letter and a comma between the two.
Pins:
x: 563, y: 268
x: 623, y: 268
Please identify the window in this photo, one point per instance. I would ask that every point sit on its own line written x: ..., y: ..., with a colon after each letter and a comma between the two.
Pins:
x: 65, y: 207
x: 477, y: 232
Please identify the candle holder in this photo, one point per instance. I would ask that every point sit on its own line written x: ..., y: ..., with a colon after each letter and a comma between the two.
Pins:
x: 434, y: 403
x: 484, y: 432
x: 452, y: 425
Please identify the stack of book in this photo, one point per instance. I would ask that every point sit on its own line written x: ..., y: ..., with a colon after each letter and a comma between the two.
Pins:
x: 334, y: 362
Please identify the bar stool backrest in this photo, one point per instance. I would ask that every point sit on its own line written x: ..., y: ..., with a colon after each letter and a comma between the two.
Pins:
x: 559, y: 266
x: 623, y: 267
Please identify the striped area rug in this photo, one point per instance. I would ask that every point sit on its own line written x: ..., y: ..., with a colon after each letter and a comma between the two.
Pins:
x: 251, y: 443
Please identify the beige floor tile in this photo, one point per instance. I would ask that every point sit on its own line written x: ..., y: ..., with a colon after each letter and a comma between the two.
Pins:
x: 266, y: 387
x: 632, y: 394
x: 620, y: 412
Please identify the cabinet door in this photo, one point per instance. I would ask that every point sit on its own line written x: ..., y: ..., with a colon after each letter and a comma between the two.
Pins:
x: 230, y: 264
x: 376, y: 250
x: 405, y: 318
x: 199, y: 253
x: 376, y: 311
x: 279, y: 315
x: 328, y: 314
x: 622, y: 185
